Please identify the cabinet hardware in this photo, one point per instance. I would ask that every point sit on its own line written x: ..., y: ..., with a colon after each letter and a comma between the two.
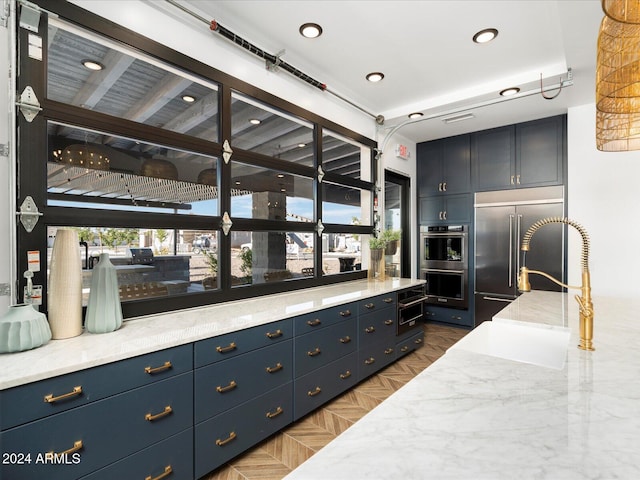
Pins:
x: 167, y: 471
x: 369, y: 306
x: 444, y: 215
x: 277, y: 412
x: 518, y: 179
x: 167, y: 410
x: 369, y: 361
x: 229, y: 348
x: 370, y: 329
x: 388, y: 322
x: 388, y: 300
x: 314, y: 353
x: 274, y: 369
x: 77, y: 445
x: 404, y: 349
x: 417, y: 341
x: 346, y: 313
x: 346, y: 339
x: 345, y: 375
x: 151, y: 370
x: 388, y: 351
x: 221, y: 443
x: 512, y: 179
x: 440, y: 216
x: 314, y: 323
x: 440, y: 186
x: 276, y: 334
x: 231, y: 386
x: 50, y: 398
x: 444, y: 186
x: 314, y: 392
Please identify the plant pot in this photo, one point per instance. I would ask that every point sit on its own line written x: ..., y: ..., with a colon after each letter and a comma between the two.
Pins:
x: 391, y: 248
x: 23, y: 327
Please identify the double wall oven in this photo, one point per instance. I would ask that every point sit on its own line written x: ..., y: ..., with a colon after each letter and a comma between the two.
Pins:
x: 444, y: 264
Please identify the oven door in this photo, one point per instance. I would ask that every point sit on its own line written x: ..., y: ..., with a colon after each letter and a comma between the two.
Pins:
x: 443, y: 250
x: 447, y: 288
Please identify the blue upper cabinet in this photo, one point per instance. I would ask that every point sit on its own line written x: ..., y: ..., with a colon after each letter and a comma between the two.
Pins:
x: 444, y: 166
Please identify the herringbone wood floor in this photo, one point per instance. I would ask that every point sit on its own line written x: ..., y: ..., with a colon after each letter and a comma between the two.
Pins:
x: 274, y: 458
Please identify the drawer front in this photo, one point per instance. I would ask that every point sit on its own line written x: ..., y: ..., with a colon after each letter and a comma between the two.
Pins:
x: 40, y: 399
x: 324, y: 318
x: 410, y: 344
x: 172, y: 457
x: 108, y: 430
x: 224, y: 385
x: 317, y: 349
x: 322, y: 385
x: 223, y: 347
x: 374, y: 357
x: 377, y: 303
x: 221, y: 438
x: 376, y: 326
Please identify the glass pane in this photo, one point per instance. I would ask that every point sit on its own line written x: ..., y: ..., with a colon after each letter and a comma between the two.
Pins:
x: 341, y: 253
x: 345, y: 157
x: 96, y: 170
x: 261, y: 129
x: 127, y: 84
x: 261, y: 257
x: 345, y: 205
x: 270, y: 194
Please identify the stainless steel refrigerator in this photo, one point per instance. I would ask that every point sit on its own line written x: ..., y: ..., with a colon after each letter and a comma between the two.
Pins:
x: 501, y: 220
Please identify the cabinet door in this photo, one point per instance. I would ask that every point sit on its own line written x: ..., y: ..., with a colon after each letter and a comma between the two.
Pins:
x: 493, y: 158
x: 456, y: 164
x: 430, y: 175
x: 431, y: 209
x: 457, y: 209
x: 540, y: 152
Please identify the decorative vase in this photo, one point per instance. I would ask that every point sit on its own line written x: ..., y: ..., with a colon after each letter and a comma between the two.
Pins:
x: 104, y: 312
x: 23, y: 327
x: 376, y: 265
x: 65, y: 286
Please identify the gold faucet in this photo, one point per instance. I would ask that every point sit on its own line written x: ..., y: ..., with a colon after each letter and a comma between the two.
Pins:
x: 584, y: 300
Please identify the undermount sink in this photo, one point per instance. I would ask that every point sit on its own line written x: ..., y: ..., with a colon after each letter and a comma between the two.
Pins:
x: 527, y: 343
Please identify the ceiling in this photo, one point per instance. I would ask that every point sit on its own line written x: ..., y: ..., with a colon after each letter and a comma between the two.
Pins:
x: 425, y: 50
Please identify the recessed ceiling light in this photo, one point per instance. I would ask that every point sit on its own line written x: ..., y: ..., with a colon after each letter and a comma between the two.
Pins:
x: 310, y: 30
x: 415, y: 115
x: 188, y: 98
x: 255, y: 121
x: 92, y: 65
x: 486, y: 35
x: 509, y: 91
x: 375, y: 76
x: 302, y: 145
x: 280, y: 175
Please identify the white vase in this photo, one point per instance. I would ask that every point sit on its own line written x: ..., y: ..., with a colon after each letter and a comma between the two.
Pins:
x: 23, y: 327
x: 65, y: 286
x: 104, y: 312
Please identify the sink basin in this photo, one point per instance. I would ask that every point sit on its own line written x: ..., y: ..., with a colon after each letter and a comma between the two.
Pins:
x: 527, y: 343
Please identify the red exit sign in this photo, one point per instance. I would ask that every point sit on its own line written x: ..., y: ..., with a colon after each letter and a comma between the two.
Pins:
x: 402, y: 151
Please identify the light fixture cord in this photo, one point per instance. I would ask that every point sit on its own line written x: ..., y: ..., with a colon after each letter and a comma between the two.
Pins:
x: 542, y: 90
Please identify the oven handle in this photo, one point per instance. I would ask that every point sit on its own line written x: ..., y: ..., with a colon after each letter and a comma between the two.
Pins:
x: 441, y: 270
x: 412, y: 303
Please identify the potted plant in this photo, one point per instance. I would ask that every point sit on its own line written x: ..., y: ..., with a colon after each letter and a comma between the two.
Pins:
x: 392, y: 239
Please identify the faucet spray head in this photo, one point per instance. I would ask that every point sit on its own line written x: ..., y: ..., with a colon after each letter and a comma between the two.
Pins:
x: 523, y: 280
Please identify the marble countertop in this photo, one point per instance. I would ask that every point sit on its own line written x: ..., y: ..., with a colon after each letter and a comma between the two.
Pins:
x: 474, y: 416
x: 147, y: 334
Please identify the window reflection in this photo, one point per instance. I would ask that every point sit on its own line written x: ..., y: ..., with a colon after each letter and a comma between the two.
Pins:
x: 345, y: 205
x: 341, y: 252
x: 345, y: 157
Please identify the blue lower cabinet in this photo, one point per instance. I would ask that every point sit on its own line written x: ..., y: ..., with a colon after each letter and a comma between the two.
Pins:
x: 323, y: 384
x: 374, y: 357
x: 74, y: 443
x: 172, y: 458
x: 225, y: 436
x: 411, y: 342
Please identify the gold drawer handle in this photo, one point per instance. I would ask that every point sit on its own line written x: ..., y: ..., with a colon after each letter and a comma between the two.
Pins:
x: 313, y: 393
x: 277, y: 412
x: 167, y: 410
x: 369, y: 306
x: 404, y: 349
x: 275, y: 369
x: 346, y: 313
x: 314, y: 353
x: 221, y: 443
x: 369, y: 361
x: 77, y: 446
x: 151, y: 370
x: 231, y: 386
x: 388, y: 300
x: 417, y: 341
x: 345, y: 375
x: 388, y: 351
x: 314, y: 323
x: 231, y: 347
x: 167, y: 471
x: 276, y: 334
x: 388, y: 322
x: 346, y: 339
x: 50, y: 398
x: 370, y: 329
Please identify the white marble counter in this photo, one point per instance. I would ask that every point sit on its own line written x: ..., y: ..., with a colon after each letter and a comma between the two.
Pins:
x: 157, y: 332
x: 473, y: 416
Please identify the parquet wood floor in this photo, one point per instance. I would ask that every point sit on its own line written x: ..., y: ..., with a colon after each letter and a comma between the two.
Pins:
x: 275, y: 457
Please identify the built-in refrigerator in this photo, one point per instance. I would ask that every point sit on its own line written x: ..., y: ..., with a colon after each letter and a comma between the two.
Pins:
x: 501, y: 220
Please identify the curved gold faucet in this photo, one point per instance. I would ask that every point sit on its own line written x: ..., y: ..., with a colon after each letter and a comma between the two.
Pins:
x: 584, y: 300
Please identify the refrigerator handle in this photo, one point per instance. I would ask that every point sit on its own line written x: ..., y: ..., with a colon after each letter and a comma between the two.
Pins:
x: 511, y: 250
x: 518, y: 245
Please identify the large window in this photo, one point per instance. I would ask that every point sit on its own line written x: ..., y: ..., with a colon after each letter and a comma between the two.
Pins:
x: 130, y: 150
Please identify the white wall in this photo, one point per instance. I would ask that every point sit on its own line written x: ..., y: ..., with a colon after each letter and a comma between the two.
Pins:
x: 604, y: 197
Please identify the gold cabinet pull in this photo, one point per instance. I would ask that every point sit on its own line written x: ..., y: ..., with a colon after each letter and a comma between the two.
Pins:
x: 388, y: 322
x: 369, y: 306
x: 151, y: 370
x: 345, y: 313
x: 345, y: 375
x: 313, y: 393
x: 314, y: 323
x: 167, y: 410
x: 275, y: 413
x: 444, y: 186
x: 275, y: 369
x: 370, y: 329
x: 231, y: 386
x: 404, y: 349
x: 221, y: 443
x: 314, y: 352
x: 518, y: 179
x: 167, y: 471
x: 77, y: 446
x: 388, y: 300
x: 369, y: 361
x: 388, y: 351
x: 276, y: 334
x: 346, y: 339
x: 229, y: 348
x: 75, y: 392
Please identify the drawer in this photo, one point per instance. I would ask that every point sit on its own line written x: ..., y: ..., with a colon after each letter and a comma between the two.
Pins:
x: 376, y: 326
x: 323, y: 384
x: 224, y: 385
x: 229, y: 345
x: 410, y: 344
x: 377, y: 303
x: 323, y: 318
x: 221, y: 438
x: 36, y: 400
x: 374, y: 357
x: 102, y: 432
x: 319, y: 348
x: 172, y: 457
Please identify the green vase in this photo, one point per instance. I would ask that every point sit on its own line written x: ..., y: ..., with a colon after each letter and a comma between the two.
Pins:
x: 104, y: 312
x: 23, y: 327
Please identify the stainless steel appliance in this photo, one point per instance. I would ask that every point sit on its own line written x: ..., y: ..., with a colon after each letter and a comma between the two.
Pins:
x: 502, y: 218
x: 444, y: 264
x: 410, y: 309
